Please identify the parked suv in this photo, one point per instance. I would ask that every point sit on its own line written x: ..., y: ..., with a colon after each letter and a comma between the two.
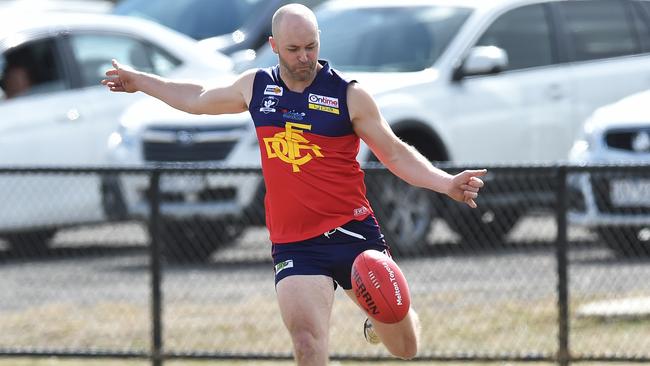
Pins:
x: 615, y: 205
x: 200, y: 212
x: 477, y: 82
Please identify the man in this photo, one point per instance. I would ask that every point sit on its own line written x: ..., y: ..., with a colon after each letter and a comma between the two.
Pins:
x: 308, y: 121
x: 16, y: 81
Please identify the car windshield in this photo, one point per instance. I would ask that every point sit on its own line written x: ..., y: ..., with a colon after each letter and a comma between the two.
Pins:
x: 389, y: 39
x: 198, y: 19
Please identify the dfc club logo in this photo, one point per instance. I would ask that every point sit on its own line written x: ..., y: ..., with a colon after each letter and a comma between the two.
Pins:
x: 291, y: 146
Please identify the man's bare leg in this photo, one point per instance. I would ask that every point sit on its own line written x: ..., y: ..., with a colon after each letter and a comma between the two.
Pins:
x: 401, y: 338
x: 306, y: 306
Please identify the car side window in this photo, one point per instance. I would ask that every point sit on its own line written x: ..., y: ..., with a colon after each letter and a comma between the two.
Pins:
x: 646, y: 5
x: 642, y: 22
x: 93, y: 53
x: 524, y: 33
x: 32, y: 68
x: 599, y: 29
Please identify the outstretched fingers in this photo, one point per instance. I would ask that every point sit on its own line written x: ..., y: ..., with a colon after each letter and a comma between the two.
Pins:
x: 112, y: 80
x: 471, y: 187
x: 469, y: 198
x: 475, y: 182
x: 113, y: 84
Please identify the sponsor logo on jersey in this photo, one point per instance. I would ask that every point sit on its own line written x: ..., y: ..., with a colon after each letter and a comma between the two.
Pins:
x: 283, y: 265
x: 268, y: 105
x: 323, y: 103
x: 361, y: 211
x: 291, y: 114
x: 288, y: 146
x: 273, y: 90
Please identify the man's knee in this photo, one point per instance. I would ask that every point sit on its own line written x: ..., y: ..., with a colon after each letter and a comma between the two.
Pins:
x: 407, y: 346
x: 407, y: 351
x: 307, y: 345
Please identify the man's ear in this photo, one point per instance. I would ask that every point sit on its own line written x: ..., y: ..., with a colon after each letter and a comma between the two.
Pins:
x: 274, y: 46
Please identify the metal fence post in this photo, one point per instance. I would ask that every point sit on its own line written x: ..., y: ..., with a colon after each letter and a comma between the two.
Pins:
x: 154, y: 251
x: 563, y: 354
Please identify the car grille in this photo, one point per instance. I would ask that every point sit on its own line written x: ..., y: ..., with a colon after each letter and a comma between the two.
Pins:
x: 156, y: 151
x: 189, y: 144
x: 204, y: 195
x: 637, y: 140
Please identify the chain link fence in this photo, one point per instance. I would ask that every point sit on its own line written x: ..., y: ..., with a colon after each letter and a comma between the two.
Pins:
x: 175, y: 262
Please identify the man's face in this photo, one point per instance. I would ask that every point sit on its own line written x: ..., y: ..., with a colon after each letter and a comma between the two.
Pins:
x: 16, y: 81
x: 297, y: 47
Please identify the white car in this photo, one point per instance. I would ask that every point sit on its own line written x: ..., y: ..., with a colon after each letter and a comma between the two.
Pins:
x: 55, y: 112
x: 616, y: 205
x: 476, y: 82
x: 77, y: 6
x: 200, y: 211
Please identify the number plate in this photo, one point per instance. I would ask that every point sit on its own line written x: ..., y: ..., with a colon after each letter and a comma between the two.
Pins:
x: 180, y: 183
x: 630, y: 192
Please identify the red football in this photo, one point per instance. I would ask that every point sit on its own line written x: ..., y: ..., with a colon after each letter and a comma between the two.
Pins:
x: 380, y: 287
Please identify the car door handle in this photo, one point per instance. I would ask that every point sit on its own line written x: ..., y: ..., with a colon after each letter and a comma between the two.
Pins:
x: 554, y: 92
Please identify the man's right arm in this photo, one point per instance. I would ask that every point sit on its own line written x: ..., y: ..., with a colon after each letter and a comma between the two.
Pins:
x: 185, y: 96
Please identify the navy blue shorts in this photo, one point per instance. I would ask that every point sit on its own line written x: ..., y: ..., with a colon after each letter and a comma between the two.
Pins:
x: 330, y: 254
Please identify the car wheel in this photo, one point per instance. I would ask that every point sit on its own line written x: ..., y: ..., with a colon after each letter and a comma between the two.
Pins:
x: 113, y: 198
x: 196, y: 240
x: 629, y: 241
x: 404, y: 212
x: 480, y: 227
x: 30, y: 242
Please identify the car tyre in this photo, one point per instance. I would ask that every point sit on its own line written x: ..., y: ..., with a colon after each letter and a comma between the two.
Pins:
x: 113, y: 198
x: 404, y: 212
x: 30, y: 243
x: 628, y: 241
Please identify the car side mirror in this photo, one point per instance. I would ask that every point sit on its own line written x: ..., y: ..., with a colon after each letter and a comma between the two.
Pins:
x: 243, y: 59
x: 482, y: 60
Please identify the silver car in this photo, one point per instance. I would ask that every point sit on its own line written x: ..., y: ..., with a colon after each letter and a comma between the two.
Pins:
x: 615, y: 204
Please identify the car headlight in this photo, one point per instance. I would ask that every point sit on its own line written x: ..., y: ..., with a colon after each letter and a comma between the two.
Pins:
x: 121, y: 138
x: 583, y: 148
x: 580, y: 147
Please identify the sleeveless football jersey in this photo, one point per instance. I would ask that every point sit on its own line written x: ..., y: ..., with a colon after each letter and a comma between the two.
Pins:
x: 308, y: 149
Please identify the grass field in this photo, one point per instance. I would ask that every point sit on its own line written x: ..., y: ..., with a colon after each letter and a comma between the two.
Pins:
x: 509, y: 312
x: 506, y: 327
x: 86, y: 362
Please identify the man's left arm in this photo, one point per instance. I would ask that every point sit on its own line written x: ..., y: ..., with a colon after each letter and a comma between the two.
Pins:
x: 402, y: 159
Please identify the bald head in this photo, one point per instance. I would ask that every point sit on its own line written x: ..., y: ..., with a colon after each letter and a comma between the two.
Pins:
x: 292, y: 17
x: 296, y: 41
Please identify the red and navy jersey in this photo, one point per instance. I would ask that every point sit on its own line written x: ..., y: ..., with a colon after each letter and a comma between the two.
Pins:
x: 308, y: 147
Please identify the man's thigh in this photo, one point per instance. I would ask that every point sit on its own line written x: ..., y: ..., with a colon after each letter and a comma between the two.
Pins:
x: 306, y: 303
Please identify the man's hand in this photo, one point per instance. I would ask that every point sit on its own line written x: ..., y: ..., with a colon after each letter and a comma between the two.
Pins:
x: 465, y: 186
x: 120, y: 78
